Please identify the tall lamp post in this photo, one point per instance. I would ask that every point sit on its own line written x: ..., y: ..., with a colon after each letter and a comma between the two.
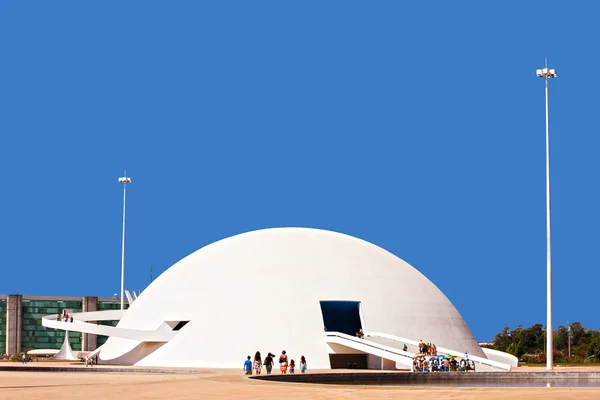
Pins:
x: 544, y: 330
x: 569, y: 338
x: 124, y: 180
x: 547, y: 74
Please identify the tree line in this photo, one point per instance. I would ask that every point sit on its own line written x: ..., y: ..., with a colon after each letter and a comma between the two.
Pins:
x: 529, y: 344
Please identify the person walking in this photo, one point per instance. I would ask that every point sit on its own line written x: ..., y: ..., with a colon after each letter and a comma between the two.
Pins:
x: 302, y: 364
x: 257, y: 363
x: 283, y: 362
x: 269, y: 363
x: 248, y: 366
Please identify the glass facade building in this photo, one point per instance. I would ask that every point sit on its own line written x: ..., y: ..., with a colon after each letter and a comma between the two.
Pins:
x: 3, y: 325
x: 28, y: 317
x: 36, y: 336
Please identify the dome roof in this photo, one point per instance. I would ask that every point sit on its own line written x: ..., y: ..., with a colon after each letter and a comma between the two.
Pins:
x: 263, y: 290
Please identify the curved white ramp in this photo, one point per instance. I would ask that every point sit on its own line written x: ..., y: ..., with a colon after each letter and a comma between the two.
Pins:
x: 370, y: 347
x: 163, y: 333
x: 501, y: 356
x: 481, y: 363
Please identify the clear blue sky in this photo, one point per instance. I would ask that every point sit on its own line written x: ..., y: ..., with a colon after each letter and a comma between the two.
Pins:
x: 417, y: 126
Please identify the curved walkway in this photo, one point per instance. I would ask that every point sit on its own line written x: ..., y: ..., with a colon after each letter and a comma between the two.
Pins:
x: 162, y: 333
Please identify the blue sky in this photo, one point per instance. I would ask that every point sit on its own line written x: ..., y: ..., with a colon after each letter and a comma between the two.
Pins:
x: 417, y: 126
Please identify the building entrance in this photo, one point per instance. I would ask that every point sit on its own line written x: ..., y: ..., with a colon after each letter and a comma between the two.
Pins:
x: 341, y: 316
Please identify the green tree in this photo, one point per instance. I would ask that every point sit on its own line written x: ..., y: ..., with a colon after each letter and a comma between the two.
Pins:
x: 593, y: 347
x: 530, y: 341
x: 578, y: 334
x: 516, y: 349
x: 503, y: 339
x: 561, y: 339
x: 533, y: 339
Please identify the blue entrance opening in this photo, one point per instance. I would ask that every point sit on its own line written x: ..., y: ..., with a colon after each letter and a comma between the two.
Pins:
x: 341, y: 316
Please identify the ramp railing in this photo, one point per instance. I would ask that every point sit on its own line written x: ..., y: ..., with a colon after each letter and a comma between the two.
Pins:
x: 370, y: 347
x: 442, y: 350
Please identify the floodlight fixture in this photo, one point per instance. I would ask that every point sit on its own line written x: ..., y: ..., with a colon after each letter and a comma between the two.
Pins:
x: 546, y: 73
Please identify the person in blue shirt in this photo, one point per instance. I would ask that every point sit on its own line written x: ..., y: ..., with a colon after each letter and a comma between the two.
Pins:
x: 248, y: 366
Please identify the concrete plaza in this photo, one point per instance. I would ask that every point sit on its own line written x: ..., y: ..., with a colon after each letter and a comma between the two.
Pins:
x: 232, y: 384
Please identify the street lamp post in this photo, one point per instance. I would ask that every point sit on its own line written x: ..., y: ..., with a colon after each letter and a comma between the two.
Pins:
x: 569, y: 338
x: 124, y: 180
x: 547, y: 73
x: 544, y: 330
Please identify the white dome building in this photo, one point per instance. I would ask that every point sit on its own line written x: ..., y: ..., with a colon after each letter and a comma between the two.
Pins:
x: 307, y: 291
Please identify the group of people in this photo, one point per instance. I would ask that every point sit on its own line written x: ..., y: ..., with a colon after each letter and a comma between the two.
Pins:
x: 269, y: 360
x: 442, y: 364
x: 89, y: 361
x: 64, y: 317
x: 428, y: 349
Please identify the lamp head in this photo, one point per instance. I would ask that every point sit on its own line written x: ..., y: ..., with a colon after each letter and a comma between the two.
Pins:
x: 546, y: 73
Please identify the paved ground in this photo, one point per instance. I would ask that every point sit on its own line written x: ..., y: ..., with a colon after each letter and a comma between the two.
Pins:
x: 232, y: 384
